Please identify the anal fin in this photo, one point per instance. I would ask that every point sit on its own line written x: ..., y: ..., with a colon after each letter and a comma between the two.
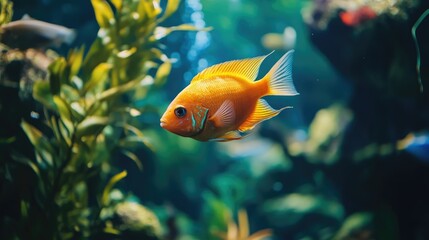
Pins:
x: 229, y: 136
x: 263, y: 111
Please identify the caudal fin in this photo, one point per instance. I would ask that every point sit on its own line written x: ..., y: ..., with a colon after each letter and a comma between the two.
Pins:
x: 280, y: 77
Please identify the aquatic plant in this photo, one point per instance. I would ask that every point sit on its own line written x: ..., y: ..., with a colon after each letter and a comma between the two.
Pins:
x: 220, y: 223
x: 240, y: 230
x: 5, y: 11
x: 413, y: 33
x: 88, y: 104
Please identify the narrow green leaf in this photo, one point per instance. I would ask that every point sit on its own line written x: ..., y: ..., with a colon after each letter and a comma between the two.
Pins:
x: 126, y: 53
x: 56, y: 74
x: 69, y: 93
x: 116, y: 91
x: 6, y: 141
x: 91, y: 125
x: 133, y: 129
x: 111, y: 230
x: 157, y: 7
x: 6, y: 12
x: 135, y: 141
x: 162, y: 73
x: 66, y: 131
x: 33, y: 134
x: 171, y: 8
x: 62, y: 107
x: 146, y: 9
x: 29, y: 163
x: 117, y: 4
x: 75, y: 59
x: 42, y: 93
x: 99, y: 76
x: 63, y: 138
x: 97, y: 53
x: 103, y: 12
x: 39, y: 141
x: 157, y: 54
x: 24, y: 209
x: 161, y: 32
x: 413, y: 33
x: 77, y: 110
x: 105, y: 196
x: 134, y: 158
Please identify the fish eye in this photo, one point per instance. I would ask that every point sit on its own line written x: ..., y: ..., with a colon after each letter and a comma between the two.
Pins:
x: 180, y: 112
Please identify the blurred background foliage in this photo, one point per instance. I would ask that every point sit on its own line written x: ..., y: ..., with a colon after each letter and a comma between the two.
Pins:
x: 83, y: 156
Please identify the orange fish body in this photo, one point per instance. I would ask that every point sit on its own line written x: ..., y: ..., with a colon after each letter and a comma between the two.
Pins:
x: 223, y: 102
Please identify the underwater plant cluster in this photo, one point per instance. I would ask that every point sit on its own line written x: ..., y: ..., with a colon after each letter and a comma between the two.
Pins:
x: 83, y: 85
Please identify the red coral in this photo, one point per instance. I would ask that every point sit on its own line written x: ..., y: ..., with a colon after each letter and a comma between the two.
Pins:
x: 356, y: 17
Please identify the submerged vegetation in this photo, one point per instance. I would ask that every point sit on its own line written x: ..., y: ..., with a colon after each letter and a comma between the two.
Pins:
x: 86, y: 109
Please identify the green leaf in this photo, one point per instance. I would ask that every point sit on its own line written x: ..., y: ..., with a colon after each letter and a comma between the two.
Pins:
x: 6, y: 141
x: 64, y: 111
x: 98, y: 76
x: 135, y: 141
x: 111, y: 230
x: 171, y: 8
x: 134, y: 158
x: 354, y: 223
x: 69, y: 93
x: 24, y: 209
x: 147, y: 9
x: 63, y: 108
x: 133, y: 129
x: 105, y: 197
x: 56, y: 74
x: 126, y: 53
x: 103, y: 13
x: 161, y: 32
x: 162, y: 73
x: 62, y: 136
x: 28, y: 163
x: 6, y: 12
x: 34, y: 135
x: 117, y: 4
x: 39, y: 141
x: 75, y: 59
x: 91, y: 125
x: 78, y: 111
x: 42, y: 93
x: 98, y: 53
x: 116, y: 91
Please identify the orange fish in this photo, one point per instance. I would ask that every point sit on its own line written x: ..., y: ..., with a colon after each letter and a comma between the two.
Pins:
x: 223, y: 102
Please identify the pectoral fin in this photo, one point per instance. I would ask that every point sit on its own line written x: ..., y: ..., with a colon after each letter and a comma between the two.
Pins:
x: 263, y: 111
x: 225, y: 115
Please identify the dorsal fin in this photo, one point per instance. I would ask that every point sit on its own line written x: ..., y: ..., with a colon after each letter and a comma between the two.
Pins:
x: 245, y: 68
x: 26, y: 17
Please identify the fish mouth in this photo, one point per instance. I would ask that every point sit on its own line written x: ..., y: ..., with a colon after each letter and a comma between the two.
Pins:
x: 162, y: 123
